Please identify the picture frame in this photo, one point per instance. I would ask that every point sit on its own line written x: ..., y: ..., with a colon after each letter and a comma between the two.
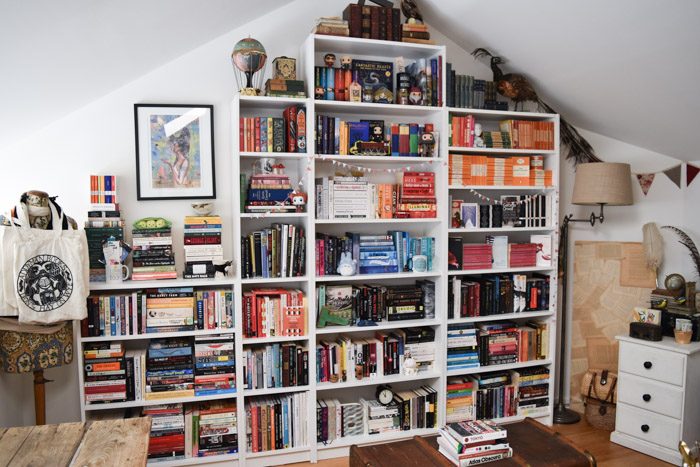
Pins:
x: 174, y: 151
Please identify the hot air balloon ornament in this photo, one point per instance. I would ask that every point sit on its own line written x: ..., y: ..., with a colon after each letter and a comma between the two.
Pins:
x: 248, y: 58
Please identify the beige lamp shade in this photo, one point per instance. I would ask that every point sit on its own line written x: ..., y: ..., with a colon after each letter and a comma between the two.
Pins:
x: 603, y: 183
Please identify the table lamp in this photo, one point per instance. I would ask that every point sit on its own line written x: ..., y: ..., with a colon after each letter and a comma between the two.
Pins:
x: 596, y: 183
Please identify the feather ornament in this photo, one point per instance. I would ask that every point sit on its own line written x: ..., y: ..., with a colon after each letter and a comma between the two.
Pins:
x: 687, y: 242
x: 653, y: 244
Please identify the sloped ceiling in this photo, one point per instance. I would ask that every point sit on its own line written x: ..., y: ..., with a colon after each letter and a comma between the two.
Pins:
x: 57, y: 56
x: 626, y: 69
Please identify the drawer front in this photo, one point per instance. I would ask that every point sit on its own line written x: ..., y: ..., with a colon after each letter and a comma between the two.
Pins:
x: 648, y: 394
x: 648, y: 362
x: 649, y: 426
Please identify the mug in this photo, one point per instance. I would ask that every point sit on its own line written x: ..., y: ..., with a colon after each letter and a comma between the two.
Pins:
x: 117, y: 272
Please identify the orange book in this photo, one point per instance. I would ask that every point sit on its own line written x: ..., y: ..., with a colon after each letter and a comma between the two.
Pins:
x: 111, y: 366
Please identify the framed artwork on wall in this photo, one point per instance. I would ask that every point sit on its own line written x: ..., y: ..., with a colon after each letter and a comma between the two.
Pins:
x: 174, y: 151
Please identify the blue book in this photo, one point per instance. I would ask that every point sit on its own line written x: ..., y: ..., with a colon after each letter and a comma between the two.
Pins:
x: 357, y: 131
x: 378, y: 269
x: 230, y: 363
x: 329, y: 94
x: 381, y: 254
x: 212, y: 392
x: 261, y: 194
x: 323, y: 84
x: 112, y: 317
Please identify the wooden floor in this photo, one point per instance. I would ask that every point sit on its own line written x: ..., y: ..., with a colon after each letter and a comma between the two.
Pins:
x: 597, y: 442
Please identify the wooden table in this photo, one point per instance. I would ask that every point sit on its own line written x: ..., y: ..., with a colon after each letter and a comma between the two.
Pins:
x: 534, y: 445
x: 99, y: 443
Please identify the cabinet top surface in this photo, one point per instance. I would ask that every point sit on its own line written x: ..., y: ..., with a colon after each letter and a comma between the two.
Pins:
x: 668, y: 343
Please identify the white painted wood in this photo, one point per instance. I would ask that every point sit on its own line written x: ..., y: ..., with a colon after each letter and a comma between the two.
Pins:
x: 649, y: 426
x: 653, y: 363
x: 650, y: 395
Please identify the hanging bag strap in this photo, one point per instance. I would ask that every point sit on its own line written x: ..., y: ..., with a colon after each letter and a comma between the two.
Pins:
x: 22, y: 213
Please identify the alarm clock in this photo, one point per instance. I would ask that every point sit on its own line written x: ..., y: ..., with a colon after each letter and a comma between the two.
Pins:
x: 384, y: 394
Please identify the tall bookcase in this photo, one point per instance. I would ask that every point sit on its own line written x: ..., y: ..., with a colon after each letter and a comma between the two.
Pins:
x: 307, y: 167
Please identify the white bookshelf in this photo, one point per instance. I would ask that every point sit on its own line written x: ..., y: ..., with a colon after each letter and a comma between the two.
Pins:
x: 310, y: 165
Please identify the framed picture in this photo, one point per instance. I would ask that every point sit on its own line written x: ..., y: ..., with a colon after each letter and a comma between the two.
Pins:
x: 174, y: 151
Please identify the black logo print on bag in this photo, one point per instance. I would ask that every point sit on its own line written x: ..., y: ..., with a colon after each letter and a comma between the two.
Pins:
x: 45, y: 283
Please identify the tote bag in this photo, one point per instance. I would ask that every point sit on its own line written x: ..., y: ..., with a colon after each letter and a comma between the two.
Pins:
x: 51, y: 272
x: 8, y: 238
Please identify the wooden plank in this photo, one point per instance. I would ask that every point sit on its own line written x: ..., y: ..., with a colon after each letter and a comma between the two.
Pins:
x: 50, y: 445
x: 115, y: 442
x: 11, y: 441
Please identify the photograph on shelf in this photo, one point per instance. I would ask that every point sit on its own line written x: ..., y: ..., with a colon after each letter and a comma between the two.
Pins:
x: 174, y: 151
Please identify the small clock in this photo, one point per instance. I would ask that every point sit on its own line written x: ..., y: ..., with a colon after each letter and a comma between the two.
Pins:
x: 384, y: 394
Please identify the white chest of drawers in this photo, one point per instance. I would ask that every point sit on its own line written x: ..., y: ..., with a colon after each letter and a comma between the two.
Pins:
x: 658, y: 398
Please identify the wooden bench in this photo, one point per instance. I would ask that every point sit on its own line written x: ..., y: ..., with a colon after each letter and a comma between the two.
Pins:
x: 100, y: 443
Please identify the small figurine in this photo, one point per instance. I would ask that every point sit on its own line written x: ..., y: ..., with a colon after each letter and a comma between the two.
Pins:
x: 415, y: 96
x: 456, y: 220
x: 345, y: 62
x: 410, y: 366
x: 346, y: 266
x: 426, y: 144
x: 383, y: 96
x: 204, y: 208
x: 319, y: 92
x: 223, y: 268
x: 329, y: 60
x: 478, y: 140
x: 299, y: 199
x: 278, y: 169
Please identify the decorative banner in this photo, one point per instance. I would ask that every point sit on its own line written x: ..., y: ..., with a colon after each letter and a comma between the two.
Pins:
x: 645, y: 181
x: 674, y: 174
x: 690, y: 172
x: 335, y: 160
x: 498, y: 201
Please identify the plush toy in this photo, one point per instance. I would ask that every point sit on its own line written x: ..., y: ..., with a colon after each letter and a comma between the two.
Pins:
x: 410, y: 366
x: 346, y: 266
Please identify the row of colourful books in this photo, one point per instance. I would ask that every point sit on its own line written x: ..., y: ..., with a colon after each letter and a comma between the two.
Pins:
x: 465, y: 91
x: 277, y: 251
x: 274, y: 134
x: 470, y: 297
x: 275, y: 366
x: 277, y: 423
x: 274, y: 312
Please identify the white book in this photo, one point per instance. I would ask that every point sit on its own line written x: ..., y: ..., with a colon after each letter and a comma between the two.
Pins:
x: 544, y: 249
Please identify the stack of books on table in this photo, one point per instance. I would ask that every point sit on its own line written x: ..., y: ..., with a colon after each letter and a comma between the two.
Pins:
x: 167, y: 438
x: 105, y: 372
x: 153, y: 256
x: 473, y: 442
x: 202, y: 237
x: 214, y: 365
x: 169, y: 369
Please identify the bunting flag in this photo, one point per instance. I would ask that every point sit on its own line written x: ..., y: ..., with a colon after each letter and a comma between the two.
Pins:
x: 674, y: 174
x: 645, y: 181
x: 690, y: 172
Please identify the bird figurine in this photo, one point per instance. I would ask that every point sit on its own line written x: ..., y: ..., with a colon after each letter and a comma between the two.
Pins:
x: 517, y: 88
x: 411, y: 12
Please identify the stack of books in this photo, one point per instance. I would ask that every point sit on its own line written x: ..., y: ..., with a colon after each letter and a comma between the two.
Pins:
x: 377, y: 254
x: 202, y: 237
x: 275, y: 366
x: 380, y: 418
x: 416, y: 33
x: 153, y: 256
x: 214, y: 365
x: 105, y: 372
x: 533, y: 390
x: 104, y: 222
x: 277, y: 423
x: 274, y: 313
x: 170, y: 310
x: 169, y: 369
x: 417, y: 196
x: 211, y: 429
x: 528, y: 134
x: 473, y: 442
x: 460, y: 399
x: 274, y: 134
x: 285, y: 88
x: 465, y: 91
x: 498, y: 343
x: 269, y: 192
x: 497, y: 139
x: 476, y: 256
x: 402, y: 302
x: 462, y: 350
x: 339, y: 420
x: 167, y: 438
x: 277, y: 251
x: 373, y: 22
x: 522, y: 255
x: 496, y: 395
x: 468, y: 170
x: 331, y: 26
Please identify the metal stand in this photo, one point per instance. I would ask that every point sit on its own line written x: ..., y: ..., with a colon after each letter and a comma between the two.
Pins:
x: 562, y: 415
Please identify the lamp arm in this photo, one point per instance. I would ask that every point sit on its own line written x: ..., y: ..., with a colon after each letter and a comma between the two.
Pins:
x: 591, y: 220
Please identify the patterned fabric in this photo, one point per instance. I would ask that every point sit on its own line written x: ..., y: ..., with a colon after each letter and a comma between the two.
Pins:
x: 23, y: 352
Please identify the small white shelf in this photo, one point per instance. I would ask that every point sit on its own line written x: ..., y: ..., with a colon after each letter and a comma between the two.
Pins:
x: 390, y: 379
x: 367, y: 108
x: 377, y: 159
x: 276, y: 155
x: 145, y: 403
x: 272, y: 340
x: 138, y: 285
x: 271, y: 391
x: 501, y: 188
x: 378, y: 438
x: 431, y: 220
x: 502, y: 317
x: 464, y: 230
x: 409, y: 323
x: 159, y: 335
x: 274, y: 280
x: 373, y: 47
x: 375, y: 277
x: 466, y: 272
x: 248, y: 102
x: 502, y: 113
x: 195, y: 460
x: 492, y: 368
x: 277, y: 452
x: 275, y: 215
x: 500, y: 150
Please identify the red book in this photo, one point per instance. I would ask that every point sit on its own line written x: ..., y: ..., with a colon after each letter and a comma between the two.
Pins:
x: 339, y: 83
x: 257, y: 134
x: 353, y: 15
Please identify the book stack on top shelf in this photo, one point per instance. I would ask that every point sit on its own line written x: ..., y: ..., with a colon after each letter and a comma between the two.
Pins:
x: 373, y: 22
x: 153, y: 256
x: 104, y: 222
x: 203, y: 248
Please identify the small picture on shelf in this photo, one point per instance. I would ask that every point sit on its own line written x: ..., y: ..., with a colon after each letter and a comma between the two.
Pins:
x: 470, y: 216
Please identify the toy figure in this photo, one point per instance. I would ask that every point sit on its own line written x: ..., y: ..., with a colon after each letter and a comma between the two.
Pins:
x: 410, y: 366
x: 346, y: 266
x: 319, y: 92
x: 415, y: 96
x: 329, y: 60
x: 299, y: 199
x: 345, y: 62
x: 426, y: 144
x: 478, y: 140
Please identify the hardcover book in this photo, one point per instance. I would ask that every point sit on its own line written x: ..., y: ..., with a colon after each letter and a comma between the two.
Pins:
x: 374, y: 74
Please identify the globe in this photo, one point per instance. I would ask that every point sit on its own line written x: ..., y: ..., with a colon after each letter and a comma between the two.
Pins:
x: 248, y: 56
x: 674, y: 282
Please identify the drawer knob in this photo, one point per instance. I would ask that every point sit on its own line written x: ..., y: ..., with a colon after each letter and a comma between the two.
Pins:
x: 645, y: 428
x: 647, y: 365
x: 646, y: 397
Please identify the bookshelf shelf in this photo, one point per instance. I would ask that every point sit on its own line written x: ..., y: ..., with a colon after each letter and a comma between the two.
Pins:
x: 503, y: 317
x: 276, y: 155
x: 502, y: 188
x: 383, y: 438
x: 501, y: 114
x: 376, y: 159
x: 499, y: 229
x: 159, y: 335
x: 274, y: 280
x: 392, y: 379
x: 145, y: 403
x: 379, y: 327
x: 198, y: 460
x: 467, y: 272
x: 266, y: 102
x: 492, y: 368
x: 277, y: 452
x: 499, y: 150
x: 270, y: 340
x: 272, y: 391
x: 138, y: 285
x: 275, y: 215
x: 376, y: 277
x: 378, y: 221
x: 371, y: 47
x: 366, y: 108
